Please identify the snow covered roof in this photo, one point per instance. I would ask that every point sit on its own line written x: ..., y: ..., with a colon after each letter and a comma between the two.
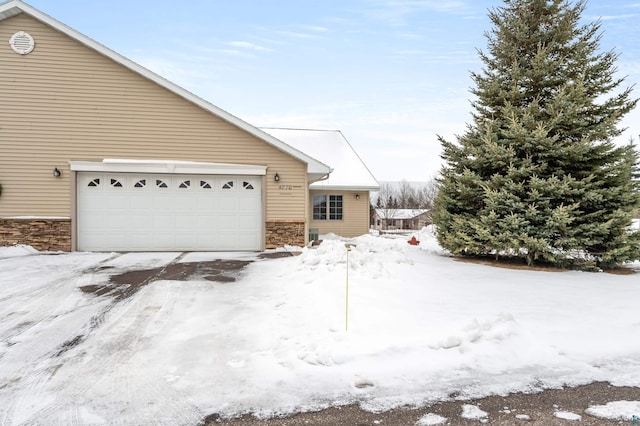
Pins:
x: 399, y: 213
x: 316, y: 169
x: 332, y: 148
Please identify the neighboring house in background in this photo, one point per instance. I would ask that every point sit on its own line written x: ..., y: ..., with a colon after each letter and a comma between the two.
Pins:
x: 401, y: 219
x: 98, y: 153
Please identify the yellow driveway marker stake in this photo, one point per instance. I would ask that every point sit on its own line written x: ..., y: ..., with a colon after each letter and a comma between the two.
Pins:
x: 346, y: 312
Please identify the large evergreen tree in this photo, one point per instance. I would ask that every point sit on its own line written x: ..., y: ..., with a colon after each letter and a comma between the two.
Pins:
x: 537, y: 175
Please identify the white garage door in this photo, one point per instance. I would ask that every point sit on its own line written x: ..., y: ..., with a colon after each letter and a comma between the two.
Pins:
x: 164, y: 212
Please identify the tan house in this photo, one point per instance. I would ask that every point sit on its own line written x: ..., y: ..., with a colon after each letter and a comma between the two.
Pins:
x: 98, y: 153
x: 401, y: 219
x: 343, y: 190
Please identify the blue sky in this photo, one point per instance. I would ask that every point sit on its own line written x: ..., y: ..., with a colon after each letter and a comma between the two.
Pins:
x: 391, y: 74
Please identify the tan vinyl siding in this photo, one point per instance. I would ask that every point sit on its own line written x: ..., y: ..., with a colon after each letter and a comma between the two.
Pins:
x: 65, y: 102
x: 355, y: 214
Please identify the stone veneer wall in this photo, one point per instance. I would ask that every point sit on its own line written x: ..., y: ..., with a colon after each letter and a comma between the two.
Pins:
x: 55, y: 234
x: 41, y: 234
x: 281, y: 233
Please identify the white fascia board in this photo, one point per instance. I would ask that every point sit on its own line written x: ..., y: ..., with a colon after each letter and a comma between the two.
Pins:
x: 14, y: 7
x: 320, y: 187
x: 170, y: 167
x: 9, y: 9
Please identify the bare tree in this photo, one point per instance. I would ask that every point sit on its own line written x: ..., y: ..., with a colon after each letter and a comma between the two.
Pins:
x: 406, y: 195
x: 386, y: 204
x: 427, y: 194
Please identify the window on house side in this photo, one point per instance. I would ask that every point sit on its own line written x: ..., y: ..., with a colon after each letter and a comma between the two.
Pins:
x: 335, y: 207
x: 327, y: 207
x: 319, y: 207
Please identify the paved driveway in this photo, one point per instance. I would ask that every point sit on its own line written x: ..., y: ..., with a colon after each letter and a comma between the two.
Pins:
x: 73, y: 325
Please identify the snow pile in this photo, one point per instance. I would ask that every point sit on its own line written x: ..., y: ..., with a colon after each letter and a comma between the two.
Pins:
x: 16, y: 250
x: 431, y: 419
x: 616, y: 410
x: 496, y: 330
x: 368, y: 253
x: 567, y: 415
x: 473, y: 412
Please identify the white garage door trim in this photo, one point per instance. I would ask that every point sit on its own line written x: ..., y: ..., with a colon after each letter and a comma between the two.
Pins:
x: 118, y: 211
x: 164, y: 166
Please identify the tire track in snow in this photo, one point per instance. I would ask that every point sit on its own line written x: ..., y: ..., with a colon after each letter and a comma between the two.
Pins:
x: 120, y: 330
x: 31, y: 300
x: 34, y: 364
x: 111, y: 378
x: 30, y: 303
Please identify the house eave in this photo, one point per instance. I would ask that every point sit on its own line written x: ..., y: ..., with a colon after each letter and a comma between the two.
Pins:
x: 344, y: 187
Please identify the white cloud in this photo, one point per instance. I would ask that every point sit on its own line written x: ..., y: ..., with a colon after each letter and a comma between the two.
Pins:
x: 316, y: 28
x: 411, y: 36
x: 396, y: 12
x: 248, y: 45
x: 441, y: 5
x: 297, y: 34
x: 617, y: 17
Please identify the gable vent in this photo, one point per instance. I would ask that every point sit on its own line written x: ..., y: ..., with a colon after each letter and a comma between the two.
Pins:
x: 22, y: 43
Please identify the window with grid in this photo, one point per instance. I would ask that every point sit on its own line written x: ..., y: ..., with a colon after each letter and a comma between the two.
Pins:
x: 327, y: 207
x: 335, y: 207
x: 319, y: 207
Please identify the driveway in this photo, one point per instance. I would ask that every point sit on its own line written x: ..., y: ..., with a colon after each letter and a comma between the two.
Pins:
x: 73, y: 325
x: 125, y: 282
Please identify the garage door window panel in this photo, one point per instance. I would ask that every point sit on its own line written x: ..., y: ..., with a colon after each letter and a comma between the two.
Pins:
x: 116, y: 183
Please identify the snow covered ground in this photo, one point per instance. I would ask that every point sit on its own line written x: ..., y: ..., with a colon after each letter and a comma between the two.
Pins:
x: 421, y: 327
